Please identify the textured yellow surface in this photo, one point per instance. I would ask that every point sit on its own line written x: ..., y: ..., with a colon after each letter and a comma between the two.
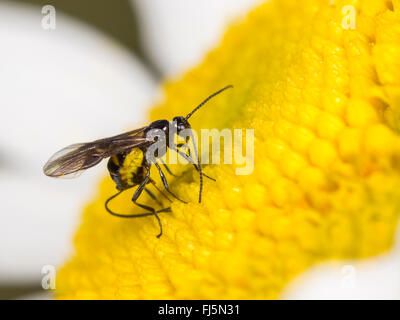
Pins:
x: 325, y: 106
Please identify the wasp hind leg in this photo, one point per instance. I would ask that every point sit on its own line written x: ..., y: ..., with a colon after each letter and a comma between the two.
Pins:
x: 151, y: 211
x: 137, y: 215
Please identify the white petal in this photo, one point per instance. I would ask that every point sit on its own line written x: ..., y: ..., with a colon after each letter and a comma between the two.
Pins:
x: 374, y: 278
x: 177, y: 33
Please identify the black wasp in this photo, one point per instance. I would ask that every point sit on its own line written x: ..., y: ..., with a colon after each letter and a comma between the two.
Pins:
x: 128, y: 165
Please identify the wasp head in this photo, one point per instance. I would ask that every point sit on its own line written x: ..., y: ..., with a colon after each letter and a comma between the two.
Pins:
x: 180, y: 124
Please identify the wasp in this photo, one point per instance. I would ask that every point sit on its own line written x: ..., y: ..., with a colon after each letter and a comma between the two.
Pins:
x: 127, y: 165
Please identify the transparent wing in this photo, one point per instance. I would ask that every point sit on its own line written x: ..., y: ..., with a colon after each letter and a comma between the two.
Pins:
x: 72, y: 175
x: 72, y: 160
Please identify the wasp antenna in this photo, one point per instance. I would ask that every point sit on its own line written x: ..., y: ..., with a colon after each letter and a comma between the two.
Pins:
x: 198, y: 164
x: 208, y: 98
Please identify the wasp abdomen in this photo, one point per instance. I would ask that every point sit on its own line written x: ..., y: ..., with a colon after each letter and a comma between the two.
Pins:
x: 127, y: 169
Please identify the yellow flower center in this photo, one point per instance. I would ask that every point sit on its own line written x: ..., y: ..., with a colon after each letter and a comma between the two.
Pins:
x: 323, y: 99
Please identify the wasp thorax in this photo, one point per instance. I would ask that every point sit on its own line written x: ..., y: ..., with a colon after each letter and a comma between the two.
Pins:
x: 162, y: 125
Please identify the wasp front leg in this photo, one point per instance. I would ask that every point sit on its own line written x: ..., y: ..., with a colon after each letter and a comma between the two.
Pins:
x: 151, y: 194
x: 188, y: 158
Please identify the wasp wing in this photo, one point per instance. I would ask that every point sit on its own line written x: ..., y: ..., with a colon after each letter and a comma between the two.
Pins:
x: 75, y: 158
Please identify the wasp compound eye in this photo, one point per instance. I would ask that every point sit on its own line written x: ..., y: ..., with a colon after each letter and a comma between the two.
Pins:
x: 180, y: 124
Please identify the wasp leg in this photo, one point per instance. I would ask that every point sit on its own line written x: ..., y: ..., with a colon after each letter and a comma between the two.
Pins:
x: 138, y: 192
x: 137, y: 215
x: 180, y: 145
x: 164, y: 181
x: 160, y: 191
x: 167, y: 168
x: 195, y: 165
x: 136, y: 195
x: 153, y: 196
x: 189, y: 159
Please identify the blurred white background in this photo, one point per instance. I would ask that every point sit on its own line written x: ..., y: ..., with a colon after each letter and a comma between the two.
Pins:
x: 59, y: 87
x: 176, y: 34
x: 76, y: 84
